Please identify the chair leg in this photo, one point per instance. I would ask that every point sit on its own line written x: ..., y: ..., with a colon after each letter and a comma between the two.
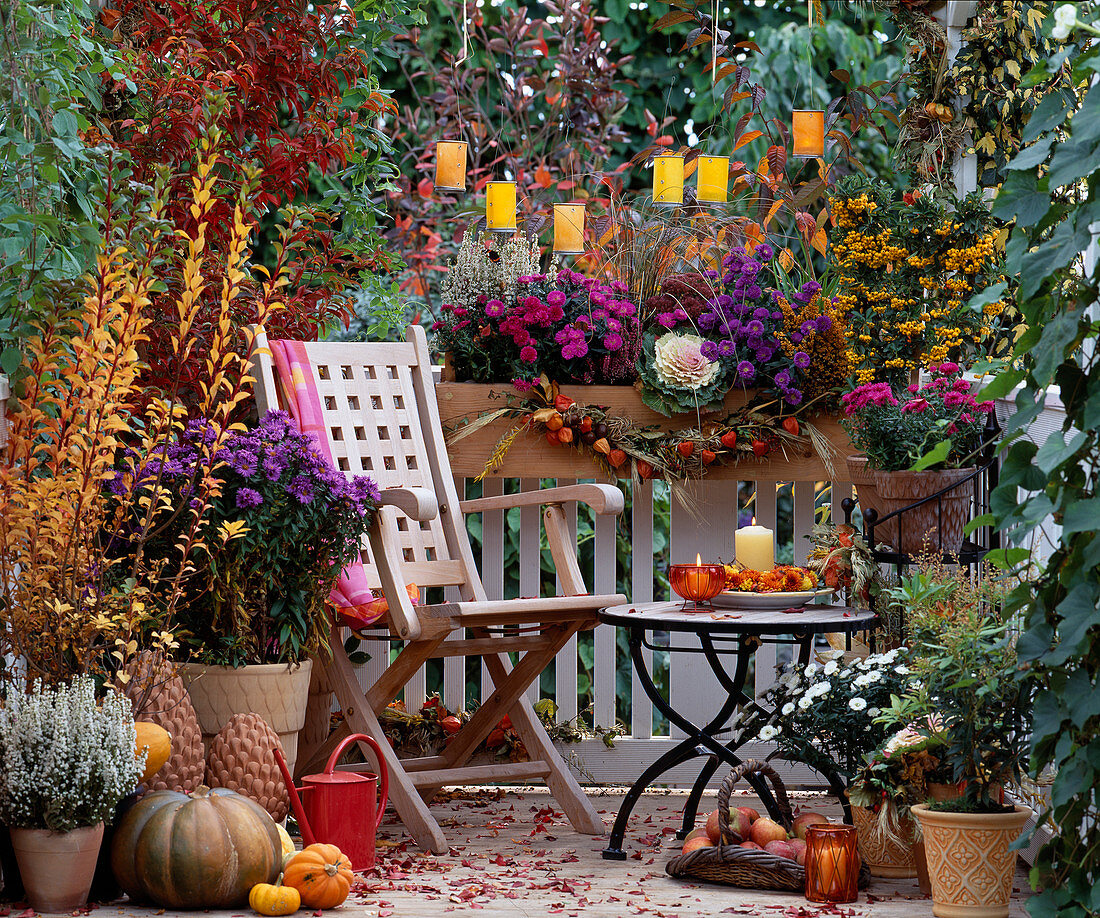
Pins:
x: 360, y: 717
x: 565, y: 788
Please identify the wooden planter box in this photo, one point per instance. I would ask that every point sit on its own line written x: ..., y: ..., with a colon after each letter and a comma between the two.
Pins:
x: 531, y: 456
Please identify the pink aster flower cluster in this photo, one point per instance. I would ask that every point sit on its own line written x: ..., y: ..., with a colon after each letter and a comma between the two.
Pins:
x: 571, y: 327
x: 895, y: 429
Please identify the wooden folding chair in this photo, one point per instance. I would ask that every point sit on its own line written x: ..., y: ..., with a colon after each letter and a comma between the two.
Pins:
x: 381, y: 419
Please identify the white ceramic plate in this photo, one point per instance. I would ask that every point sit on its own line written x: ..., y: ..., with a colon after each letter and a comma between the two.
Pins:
x: 737, y: 599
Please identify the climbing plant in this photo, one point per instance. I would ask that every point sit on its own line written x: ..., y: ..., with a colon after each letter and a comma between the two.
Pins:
x: 1052, y: 191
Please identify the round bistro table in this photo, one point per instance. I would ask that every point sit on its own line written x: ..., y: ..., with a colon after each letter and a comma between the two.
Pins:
x: 722, y: 633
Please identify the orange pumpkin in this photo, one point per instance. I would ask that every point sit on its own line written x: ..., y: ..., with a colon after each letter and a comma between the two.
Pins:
x: 321, y: 874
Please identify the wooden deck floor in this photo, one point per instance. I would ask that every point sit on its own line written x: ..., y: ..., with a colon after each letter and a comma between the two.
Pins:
x: 513, y: 854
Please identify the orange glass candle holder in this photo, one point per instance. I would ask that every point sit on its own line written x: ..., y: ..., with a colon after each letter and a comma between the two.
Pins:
x: 697, y: 583
x: 832, y: 864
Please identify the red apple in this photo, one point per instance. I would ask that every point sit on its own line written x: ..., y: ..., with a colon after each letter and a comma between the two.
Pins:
x: 765, y: 830
x: 750, y: 813
x: 798, y: 846
x: 714, y: 831
x: 780, y: 849
x: 694, y: 844
x: 740, y: 824
x: 696, y: 833
x: 750, y: 844
x: 802, y: 821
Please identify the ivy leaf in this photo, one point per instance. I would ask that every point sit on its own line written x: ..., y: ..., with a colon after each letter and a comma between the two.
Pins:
x: 934, y: 456
x: 1049, y: 114
x: 1082, y: 515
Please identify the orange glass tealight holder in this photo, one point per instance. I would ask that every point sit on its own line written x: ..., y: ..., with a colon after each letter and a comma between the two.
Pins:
x: 697, y: 583
x: 832, y: 864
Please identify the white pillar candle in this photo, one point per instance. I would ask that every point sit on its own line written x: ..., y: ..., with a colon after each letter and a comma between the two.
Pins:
x: 754, y: 547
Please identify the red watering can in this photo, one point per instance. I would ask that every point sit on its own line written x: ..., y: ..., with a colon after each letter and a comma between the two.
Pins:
x: 340, y: 808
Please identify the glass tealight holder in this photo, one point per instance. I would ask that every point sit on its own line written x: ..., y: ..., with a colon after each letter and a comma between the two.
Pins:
x: 697, y: 583
x: 832, y: 864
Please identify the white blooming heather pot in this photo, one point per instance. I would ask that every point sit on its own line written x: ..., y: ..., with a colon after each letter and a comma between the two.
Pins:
x: 57, y: 867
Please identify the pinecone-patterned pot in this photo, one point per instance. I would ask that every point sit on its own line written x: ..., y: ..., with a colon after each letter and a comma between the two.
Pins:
x: 159, y: 696
x: 242, y: 759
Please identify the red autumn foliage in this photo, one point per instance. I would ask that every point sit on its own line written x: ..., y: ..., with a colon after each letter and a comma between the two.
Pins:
x: 278, y: 70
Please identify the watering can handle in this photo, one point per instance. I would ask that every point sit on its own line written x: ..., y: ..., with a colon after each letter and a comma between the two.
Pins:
x: 383, y: 772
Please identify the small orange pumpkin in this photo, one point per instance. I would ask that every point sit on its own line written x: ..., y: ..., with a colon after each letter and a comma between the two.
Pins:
x: 321, y: 874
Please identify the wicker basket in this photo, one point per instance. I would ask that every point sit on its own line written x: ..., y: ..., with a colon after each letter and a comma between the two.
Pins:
x: 736, y: 866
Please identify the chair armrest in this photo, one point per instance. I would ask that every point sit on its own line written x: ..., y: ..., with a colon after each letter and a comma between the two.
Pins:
x: 603, y: 498
x: 418, y: 504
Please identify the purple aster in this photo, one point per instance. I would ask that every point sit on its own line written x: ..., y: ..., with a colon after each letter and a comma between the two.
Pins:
x: 301, y: 489
x: 792, y: 397
x: 709, y: 350
x: 755, y: 327
x: 494, y: 308
x: 746, y: 370
x: 726, y: 349
x: 801, y: 360
x: 783, y: 379
x: 764, y: 252
x: 555, y: 298
x: 613, y: 341
x: 247, y: 498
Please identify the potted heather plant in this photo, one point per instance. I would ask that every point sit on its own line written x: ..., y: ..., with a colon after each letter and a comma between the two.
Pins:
x: 916, y: 444
x: 287, y: 523
x: 66, y: 760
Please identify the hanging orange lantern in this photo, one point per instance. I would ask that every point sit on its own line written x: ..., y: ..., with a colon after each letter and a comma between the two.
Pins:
x: 668, y: 179
x: 450, y: 165
x: 569, y: 229
x: 832, y: 863
x: 808, y: 133
x: 712, y: 176
x: 500, y: 207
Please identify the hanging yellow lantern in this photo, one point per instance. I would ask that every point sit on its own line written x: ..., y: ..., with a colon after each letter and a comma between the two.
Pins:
x: 450, y: 165
x: 668, y: 179
x: 569, y: 229
x: 712, y: 174
x: 500, y: 207
x: 808, y: 133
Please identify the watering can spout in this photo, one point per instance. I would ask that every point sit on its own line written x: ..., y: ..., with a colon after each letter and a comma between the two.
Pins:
x: 295, y: 801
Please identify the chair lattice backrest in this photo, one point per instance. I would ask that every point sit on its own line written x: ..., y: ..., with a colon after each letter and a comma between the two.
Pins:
x: 380, y: 418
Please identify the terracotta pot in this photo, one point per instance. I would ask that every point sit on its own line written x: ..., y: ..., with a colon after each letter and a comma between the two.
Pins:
x: 869, y: 499
x: 884, y: 856
x: 57, y: 867
x: 920, y: 527
x: 278, y: 692
x: 970, y: 863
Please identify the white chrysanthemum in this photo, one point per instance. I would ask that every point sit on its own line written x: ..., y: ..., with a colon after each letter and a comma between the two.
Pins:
x: 787, y: 709
x: 845, y: 673
x: 867, y: 679
x: 857, y: 704
x: 819, y: 690
x: 805, y: 702
x: 831, y: 667
x: 812, y: 669
x: 902, y: 670
x: 1065, y: 20
x: 874, y: 712
x: 680, y: 362
x: 768, y: 732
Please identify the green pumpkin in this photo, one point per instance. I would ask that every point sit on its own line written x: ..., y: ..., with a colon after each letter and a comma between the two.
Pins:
x: 203, y: 850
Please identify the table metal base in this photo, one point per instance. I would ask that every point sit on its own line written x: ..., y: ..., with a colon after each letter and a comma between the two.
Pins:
x: 704, y: 741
